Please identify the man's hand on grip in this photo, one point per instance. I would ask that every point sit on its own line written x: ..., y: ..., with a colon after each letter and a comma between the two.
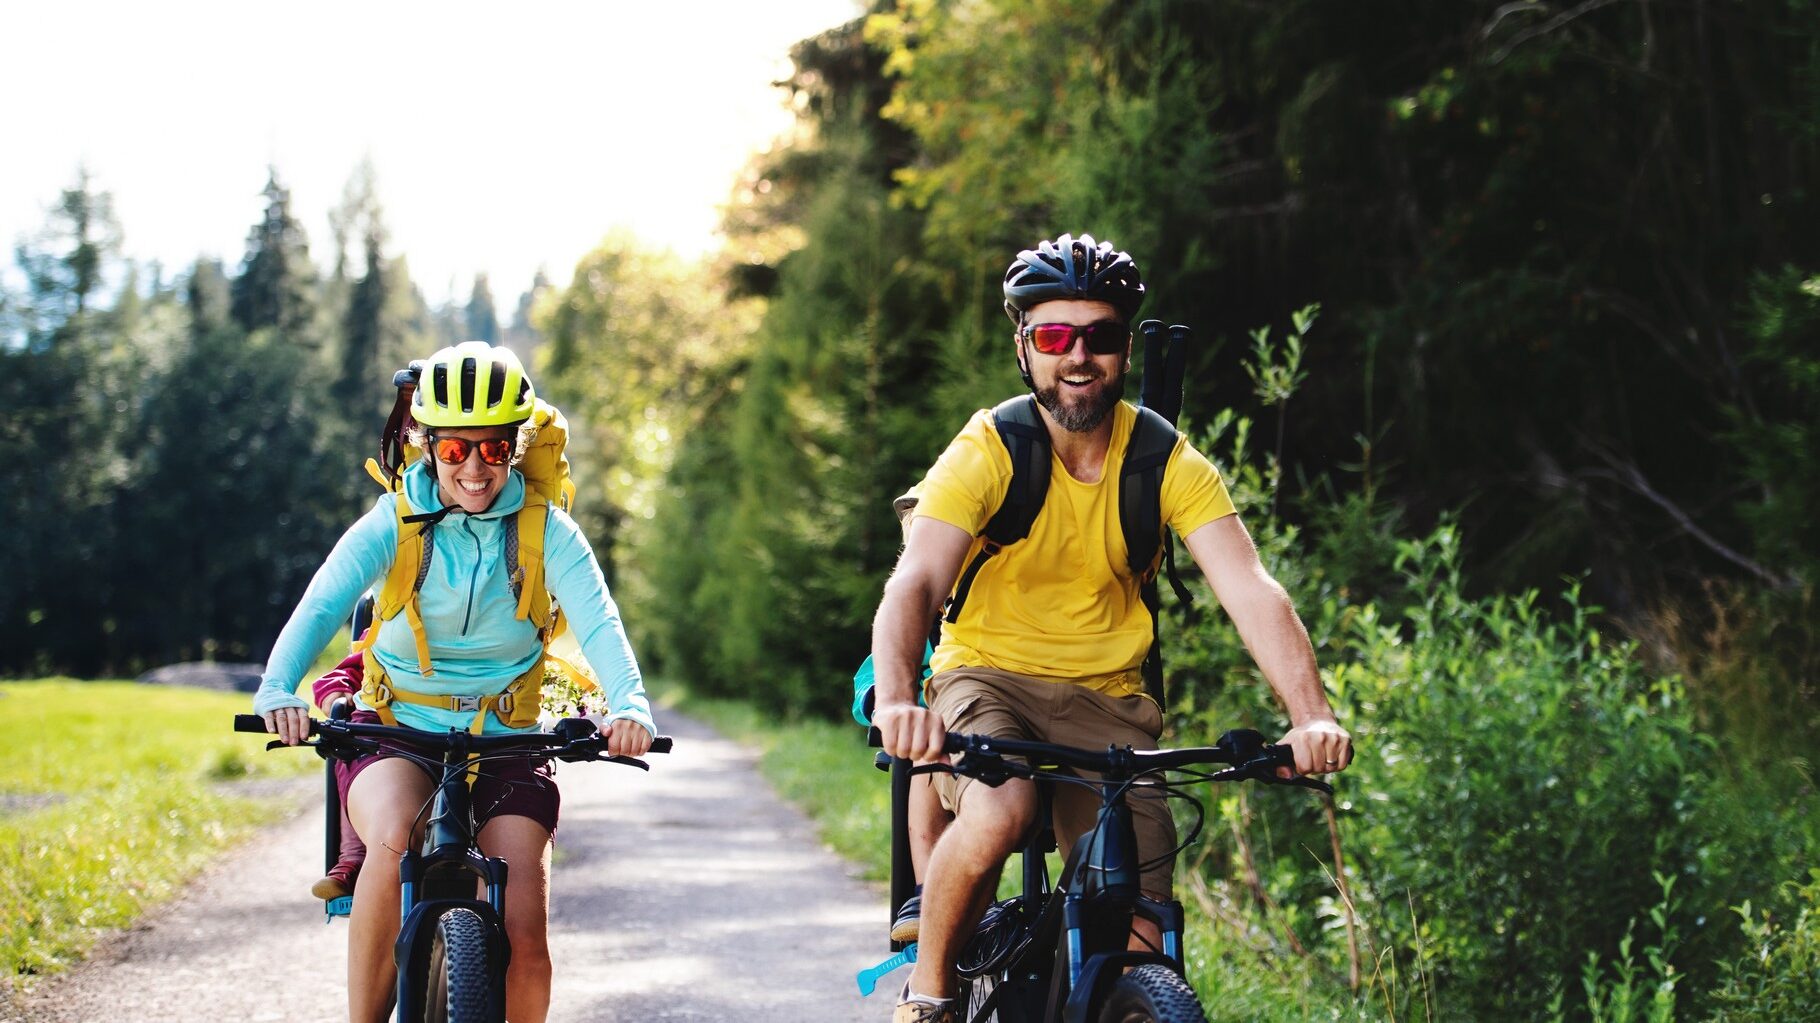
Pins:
x: 1321, y: 747
x: 910, y: 732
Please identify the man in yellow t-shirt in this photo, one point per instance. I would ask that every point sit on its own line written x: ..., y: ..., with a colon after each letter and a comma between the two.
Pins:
x: 1051, y: 639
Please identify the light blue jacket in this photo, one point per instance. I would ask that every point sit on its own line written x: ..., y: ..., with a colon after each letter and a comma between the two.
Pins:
x: 477, y: 643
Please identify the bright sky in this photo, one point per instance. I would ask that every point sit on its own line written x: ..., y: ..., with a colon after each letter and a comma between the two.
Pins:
x: 505, y: 136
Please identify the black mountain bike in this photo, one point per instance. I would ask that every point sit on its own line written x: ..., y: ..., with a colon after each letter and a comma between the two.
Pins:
x: 1058, y: 952
x: 452, y: 950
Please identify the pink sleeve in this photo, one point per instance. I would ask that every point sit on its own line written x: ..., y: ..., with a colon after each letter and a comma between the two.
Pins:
x: 345, y: 678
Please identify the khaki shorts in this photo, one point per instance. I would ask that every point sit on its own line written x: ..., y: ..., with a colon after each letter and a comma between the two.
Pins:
x: 1011, y: 706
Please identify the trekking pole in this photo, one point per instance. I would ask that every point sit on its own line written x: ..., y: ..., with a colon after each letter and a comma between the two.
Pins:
x: 1150, y: 389
x: 1170, y: 398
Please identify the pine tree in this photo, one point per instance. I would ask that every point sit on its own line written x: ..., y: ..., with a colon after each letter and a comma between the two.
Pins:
x: 276, y: 284
x: 483, y: 321
x: 59, y: 387
x: 522, y: 336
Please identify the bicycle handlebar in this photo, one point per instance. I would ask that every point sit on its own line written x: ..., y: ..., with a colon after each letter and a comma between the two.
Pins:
x: 587, y: 744
x: 1244, y: 749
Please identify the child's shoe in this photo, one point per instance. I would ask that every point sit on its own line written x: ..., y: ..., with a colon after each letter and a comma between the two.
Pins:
x: 337, y: 883
x: 907, y: 925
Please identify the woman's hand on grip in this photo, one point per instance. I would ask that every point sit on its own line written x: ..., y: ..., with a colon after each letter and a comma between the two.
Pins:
x: 291, y: 723
x: 627, y: 738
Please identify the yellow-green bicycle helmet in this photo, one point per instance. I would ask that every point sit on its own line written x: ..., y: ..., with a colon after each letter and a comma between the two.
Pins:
x: 472, y: 384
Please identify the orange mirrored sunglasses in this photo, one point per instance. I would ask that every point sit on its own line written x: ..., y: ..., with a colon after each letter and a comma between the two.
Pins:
x: 454, y: 450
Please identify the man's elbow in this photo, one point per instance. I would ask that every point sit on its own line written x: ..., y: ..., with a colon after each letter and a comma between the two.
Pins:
x: 910, y: 592
x: 1255, y: 592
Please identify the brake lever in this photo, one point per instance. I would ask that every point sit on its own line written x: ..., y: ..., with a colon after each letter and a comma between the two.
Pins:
x: 1263, y: 770
x: 988, y: 768
x: 1302, y: 781
x: 593, y: 750
x: 327, y: 749
x: 343, y: 747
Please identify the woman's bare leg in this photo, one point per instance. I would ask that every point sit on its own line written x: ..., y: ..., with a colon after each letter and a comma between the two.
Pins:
x: 525, y: 846
x: 383, y: 804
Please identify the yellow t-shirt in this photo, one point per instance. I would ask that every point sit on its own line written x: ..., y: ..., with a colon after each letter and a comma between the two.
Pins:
x: 1061, y: 604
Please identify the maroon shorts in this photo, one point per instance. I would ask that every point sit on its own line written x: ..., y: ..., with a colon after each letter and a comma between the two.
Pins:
x: 509, y: 787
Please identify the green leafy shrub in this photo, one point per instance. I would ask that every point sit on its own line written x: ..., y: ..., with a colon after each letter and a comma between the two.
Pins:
x: 1525, y: 791
x: 1778, y: 978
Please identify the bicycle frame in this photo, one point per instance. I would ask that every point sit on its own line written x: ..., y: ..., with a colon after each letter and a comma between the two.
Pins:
x: 444, y: 873
x: 1075, y: 942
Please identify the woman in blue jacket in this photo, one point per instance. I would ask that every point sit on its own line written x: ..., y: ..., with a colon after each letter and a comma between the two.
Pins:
x: 473, y: 402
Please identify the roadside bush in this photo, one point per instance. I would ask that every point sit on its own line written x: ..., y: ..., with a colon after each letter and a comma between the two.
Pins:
x: 1526, y: 798
x: 1778, y: 977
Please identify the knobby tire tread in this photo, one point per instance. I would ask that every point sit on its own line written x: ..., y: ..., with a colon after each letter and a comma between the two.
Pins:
x: 459, y: 968
x: 1152, y: 994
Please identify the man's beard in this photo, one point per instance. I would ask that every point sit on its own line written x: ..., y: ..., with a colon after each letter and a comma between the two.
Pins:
x: 1085, y: 415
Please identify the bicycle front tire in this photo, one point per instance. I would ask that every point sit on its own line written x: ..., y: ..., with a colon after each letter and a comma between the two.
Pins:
x: 460, y: 983
x: 1152, y: 994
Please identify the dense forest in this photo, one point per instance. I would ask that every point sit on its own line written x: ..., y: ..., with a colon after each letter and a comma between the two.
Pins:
x: 194, y: 441
x: 1508, y: 343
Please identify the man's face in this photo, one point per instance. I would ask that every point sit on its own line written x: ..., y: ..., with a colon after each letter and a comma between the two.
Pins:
x: 1077, y: 386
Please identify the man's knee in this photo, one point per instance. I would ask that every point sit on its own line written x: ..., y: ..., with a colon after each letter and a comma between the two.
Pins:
x: 999, y: 817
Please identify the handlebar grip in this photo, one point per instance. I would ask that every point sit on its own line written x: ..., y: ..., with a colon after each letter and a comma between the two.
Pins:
x: 661, y: 744
x: 249, y: 723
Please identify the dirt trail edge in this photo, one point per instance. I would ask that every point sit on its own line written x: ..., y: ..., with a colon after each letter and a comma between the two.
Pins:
x: 689, y: 893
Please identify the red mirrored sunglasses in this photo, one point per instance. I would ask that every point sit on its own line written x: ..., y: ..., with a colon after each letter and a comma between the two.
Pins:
x: 1104, y: 337
x: 454, y: 450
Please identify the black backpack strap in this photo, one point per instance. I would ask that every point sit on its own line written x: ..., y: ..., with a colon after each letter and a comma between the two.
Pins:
x: 1147, y: 454
x: 1141, y: 490
x: 1026, y: 440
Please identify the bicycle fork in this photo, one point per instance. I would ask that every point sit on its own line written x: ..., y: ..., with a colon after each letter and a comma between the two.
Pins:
x: 1103, y: 898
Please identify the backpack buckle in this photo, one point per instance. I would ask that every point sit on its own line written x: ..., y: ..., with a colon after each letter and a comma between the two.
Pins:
x: 466, y: 703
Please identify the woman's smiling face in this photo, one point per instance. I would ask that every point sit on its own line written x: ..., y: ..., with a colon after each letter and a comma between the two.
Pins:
x: 470, y: 484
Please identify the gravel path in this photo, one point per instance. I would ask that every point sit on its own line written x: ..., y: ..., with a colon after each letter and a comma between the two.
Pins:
x: 689, y: 893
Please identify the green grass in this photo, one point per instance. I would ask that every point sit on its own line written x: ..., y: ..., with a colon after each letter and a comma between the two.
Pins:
x: 109, y: 800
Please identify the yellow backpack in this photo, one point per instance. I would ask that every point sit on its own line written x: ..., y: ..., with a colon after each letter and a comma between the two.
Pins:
x: 545, y: 467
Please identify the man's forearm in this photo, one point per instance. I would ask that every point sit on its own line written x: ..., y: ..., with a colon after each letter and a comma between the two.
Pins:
x: 1274, y: 635
x: 898, y: 635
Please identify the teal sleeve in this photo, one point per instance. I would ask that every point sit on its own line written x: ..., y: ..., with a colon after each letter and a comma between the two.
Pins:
x: 361, y: 558
x: 575, y: 580
x: 863, y: 683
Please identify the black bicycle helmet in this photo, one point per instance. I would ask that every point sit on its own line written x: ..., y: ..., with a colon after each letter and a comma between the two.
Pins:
x: 1073, y: 268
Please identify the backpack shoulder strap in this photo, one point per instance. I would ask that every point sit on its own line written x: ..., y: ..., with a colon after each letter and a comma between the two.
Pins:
x: 1141, y: 489
x: 524, y: 547
x: 1153, y: 440
x: 410, y: 565
x: 1026, y: 439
